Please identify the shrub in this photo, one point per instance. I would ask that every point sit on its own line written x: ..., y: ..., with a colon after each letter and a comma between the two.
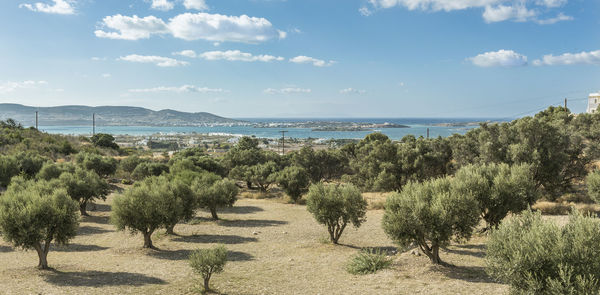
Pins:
x: 130, y: 163
x: 294, y: 181
x: 103, y: 166
x: 33, y: 214
x: 53, y: 170
x: 30, y: 163
x: 368, y: 261
x: 535, y: 256
x: 430, y: 214
x: 104, y: 140
x: 9, y: 167
x: 498, y: 188
x: 213, y: 193
x: 335, y: 206
x: 207, y: 262
x: 593, y: 185
x: 147, y: 169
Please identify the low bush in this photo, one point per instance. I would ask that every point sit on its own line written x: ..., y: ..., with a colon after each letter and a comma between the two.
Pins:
x: 368, y: 261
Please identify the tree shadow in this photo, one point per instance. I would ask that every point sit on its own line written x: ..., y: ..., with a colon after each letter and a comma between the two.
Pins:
x: 216, y: 239
x: 77, y: 248
x: 97, y: 219
x: 251, y: 223
x: 472, y: 274
x: 241, y: 209
x: 99, y: 279
x: 99, y: 207
x: 6, y: 249
x: 185, y: 254
x: 91, y: 230
x: 473, y: 250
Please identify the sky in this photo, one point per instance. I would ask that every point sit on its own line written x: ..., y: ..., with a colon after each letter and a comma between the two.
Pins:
x: 303, y: 58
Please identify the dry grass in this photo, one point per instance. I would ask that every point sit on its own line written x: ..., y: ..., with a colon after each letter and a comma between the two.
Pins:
x: 556, y: 208
x: 274, y: 249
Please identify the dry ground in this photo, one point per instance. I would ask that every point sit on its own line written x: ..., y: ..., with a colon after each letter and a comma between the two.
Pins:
x: 275, y: 248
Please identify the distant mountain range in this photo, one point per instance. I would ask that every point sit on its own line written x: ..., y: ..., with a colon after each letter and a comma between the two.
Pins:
x: 107, y: 116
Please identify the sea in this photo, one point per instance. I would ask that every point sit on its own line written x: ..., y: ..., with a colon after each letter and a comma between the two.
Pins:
x: 417, y: 127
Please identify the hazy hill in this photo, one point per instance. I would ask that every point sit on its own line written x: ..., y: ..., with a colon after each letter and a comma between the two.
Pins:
x: 107, y: 115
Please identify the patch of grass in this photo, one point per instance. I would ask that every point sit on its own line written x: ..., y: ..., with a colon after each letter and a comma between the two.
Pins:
x: 368, y: 261
x: 324, y: 239
x: 554, y: 208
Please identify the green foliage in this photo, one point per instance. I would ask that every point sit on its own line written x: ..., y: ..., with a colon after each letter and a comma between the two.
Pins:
x: 33, y: 214
x: 195, y: 159
x: 321, y: 165
x: 263, y: 175
x: 430, y: 214
x: 245, y: 153
x: 535, y: 256
x: 53, y: 170
x: 335, y: 206
x: 151, y: 204
x: 84, y: 186
x: 130, y: 163
x: 213, y: 192
x: 593, y: 185
x: 9, y: 167
x: 422, y: 159
x: 147, y: 169
x: 104, y: 140
x: 30, y: 163
x: 375, y: 164
x: 207, y: 262
x: 15, y: 139
x: 368, y: 261
x: 103, y: 166
x: 294, y: 181
x: 498, y: 188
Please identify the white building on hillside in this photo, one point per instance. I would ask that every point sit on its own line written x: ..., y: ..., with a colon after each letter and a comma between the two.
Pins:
x: 593, y: 102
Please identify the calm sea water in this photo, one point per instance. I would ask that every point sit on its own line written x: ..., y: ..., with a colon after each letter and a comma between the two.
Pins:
x: 418, y: 127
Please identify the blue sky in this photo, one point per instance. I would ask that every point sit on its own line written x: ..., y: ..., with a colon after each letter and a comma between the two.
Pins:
x: 302, y: 58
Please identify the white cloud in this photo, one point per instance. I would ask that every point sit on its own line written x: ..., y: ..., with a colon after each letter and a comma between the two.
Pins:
x: 500, y: 58
x: 163, y: 5
x: 180, y: 89
x: 195, y: 4
x: 157, y: 60
x: 59, y: 7
x: 494, y: 10
x: 352, y: 91
x: 553, y: 20
x: 10, y: 86
x: 307, y: 59
x: 288, y: 90
x: 499, y: 13
x: 236, y: 55
x: 106, y: 75
x: 132, y: 27
x: 186, y: 53
x: 365, y: 11
x: 591, y: 58
x: 189, y: 26
x: 95, y: 58
x: 221, y: 28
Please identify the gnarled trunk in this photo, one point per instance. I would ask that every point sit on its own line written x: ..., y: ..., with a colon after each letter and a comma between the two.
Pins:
x: 335, y: 231
x: 82, y: 208
x: 42, y: 254
x: 206, y: 281
x: 148, y: 240
x: 213, y: 212
x: 432, y: 252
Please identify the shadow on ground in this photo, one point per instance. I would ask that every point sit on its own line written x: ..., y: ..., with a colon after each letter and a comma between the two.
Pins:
x: 96, y: 219
x: 90, y: 230
x: 241, y: 209
x: 5, y: 249
x: 99, y: 279
x: 251, y: 223
x: 473, y: 250
x: 99, y: 207
x: 217, y: 239
x: 185, y: 254
x: 77, y: 248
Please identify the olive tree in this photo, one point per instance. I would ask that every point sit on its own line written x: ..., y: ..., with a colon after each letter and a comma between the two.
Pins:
x: 593, y: 185
x: 104, y: 166
x: 212, y: 193
x: 147, y: 206
x: 9, y: 167
x: 294, y: 181
x: 53, y: 170
x: 33, y: 214
x: 207, y: 262
x: 84, y: 186
x: 536, y: 256
x: 498, y: 188
x: 430, y: 214
x: 335, y: 206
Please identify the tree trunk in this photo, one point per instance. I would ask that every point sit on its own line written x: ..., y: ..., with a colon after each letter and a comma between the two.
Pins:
x: 206, y: 280
x: 42, y: 256
x: 82, y: 207
x: 148, y: 240
x: 433, y: 252
x: 213, y: 212
x: 249, y: 184
x: 170, y: 229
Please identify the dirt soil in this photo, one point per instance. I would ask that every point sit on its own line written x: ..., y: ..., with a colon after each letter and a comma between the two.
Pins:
x: 274, y: 248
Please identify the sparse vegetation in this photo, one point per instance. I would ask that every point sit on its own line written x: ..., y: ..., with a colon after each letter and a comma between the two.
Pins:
x: 368, y: 261
x: 207, y: 262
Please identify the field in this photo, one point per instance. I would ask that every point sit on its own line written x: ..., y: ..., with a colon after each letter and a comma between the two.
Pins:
x: 274, y: 248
